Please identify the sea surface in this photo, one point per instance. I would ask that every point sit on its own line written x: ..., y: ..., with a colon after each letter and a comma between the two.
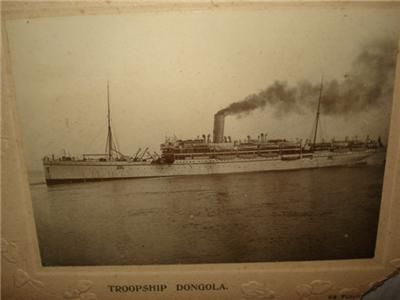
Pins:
x: 317, y: 214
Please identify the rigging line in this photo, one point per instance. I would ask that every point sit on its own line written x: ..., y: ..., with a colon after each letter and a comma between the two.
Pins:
x: 325, y: 129
x: 116, y: 143
x: 318, y: 111
x: 106, y: 148
x: 311, y: 134
x: 321, y: 129
x: 115, y: 149
x: 97, y: 135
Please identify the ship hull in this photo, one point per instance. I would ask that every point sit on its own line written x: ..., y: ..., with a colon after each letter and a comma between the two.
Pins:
x: 84, y: 171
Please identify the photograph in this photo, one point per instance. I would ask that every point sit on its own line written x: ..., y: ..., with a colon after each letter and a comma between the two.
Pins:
x: 206, y: 137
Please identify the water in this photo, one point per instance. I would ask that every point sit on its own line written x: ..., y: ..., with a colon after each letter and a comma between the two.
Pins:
x: 317, y: 214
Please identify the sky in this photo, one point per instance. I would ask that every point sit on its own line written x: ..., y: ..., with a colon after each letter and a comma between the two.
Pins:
x: 170, y: 72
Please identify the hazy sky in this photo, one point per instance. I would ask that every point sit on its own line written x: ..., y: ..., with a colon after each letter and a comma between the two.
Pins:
x: 169, y: 72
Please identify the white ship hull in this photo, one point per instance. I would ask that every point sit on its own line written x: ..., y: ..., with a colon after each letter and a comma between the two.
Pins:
x: 58, y: 171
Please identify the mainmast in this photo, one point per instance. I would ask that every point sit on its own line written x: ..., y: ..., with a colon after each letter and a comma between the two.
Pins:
x: 317, y: 116
x: 109, y: 134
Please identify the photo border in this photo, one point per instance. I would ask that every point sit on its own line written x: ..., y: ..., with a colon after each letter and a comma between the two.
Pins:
x: 22, y: 272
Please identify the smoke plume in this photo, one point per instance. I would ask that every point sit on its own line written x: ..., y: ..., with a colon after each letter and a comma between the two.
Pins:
x: 368, y: 84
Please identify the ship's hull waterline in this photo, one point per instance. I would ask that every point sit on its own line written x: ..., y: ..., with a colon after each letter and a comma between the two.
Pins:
x: 83, y: 171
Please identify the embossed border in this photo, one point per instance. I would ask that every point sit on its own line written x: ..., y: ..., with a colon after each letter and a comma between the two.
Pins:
x: 23, y: 276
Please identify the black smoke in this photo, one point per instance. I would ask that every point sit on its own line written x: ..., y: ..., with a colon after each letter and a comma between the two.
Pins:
x: 368, y: 84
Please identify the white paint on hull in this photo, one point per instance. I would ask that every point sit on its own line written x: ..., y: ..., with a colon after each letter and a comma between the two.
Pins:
x: 97, y: 170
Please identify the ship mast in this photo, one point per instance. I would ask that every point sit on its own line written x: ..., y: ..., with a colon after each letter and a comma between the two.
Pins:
x: 109, y: 134
x: 317, y: 116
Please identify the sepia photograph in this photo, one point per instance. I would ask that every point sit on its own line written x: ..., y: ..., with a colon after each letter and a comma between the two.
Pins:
x: 209, y: 137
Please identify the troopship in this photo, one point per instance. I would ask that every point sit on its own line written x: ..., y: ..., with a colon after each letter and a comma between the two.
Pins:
x: 216, y: 154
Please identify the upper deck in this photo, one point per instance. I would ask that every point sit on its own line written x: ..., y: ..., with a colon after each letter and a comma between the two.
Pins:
x: 204, y: 149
